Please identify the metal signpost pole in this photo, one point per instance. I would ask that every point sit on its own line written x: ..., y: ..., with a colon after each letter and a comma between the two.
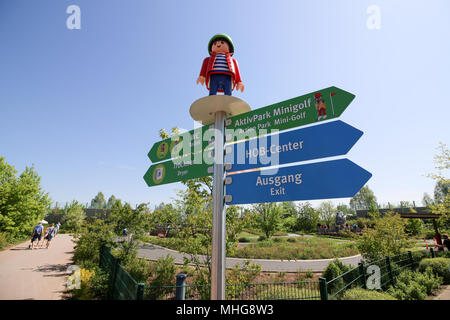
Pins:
x: 218, y: 227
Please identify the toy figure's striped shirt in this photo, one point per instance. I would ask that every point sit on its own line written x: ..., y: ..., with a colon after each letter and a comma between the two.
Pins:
x: 220, y: 64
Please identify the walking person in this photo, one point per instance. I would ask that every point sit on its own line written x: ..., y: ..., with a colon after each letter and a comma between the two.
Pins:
x: 49, y: 234
x: 58, y: 225
x: 38, y: 230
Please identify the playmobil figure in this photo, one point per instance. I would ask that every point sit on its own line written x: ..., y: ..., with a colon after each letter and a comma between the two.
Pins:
x: 220, y: 71
x: 340, y: 218
x: 320, y: 106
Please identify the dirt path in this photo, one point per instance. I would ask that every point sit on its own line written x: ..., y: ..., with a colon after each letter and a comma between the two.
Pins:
x: 38, y: 274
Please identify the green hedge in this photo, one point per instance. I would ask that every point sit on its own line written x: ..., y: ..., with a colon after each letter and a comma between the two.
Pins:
x: 439, y: 266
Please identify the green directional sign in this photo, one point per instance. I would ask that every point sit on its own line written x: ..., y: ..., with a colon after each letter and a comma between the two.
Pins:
x: 177, y: 170
x: 185, y: 144
x: 313, y: 107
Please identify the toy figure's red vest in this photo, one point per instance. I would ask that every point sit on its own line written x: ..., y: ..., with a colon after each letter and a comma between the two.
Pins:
x: 208, y: 64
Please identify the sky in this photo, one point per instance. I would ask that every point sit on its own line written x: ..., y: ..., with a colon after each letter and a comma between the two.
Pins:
x: 84, y: 106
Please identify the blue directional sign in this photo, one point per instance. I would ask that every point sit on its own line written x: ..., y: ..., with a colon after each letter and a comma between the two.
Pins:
x: 321, y: 141
x: 323, y: 180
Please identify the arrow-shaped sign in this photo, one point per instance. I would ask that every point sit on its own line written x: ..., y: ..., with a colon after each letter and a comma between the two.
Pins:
x: 316, y: 106
x: 325, y: 140
x: 184, y: 144
x: 323, y: 180
x: 179, y: 170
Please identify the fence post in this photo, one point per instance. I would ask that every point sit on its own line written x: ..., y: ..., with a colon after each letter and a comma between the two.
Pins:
x: 433, y: 255
x: 140, y: 291
x: 362, y: 274
x: 388, y: 265
x: 323, y: 289
x: 180, y: 292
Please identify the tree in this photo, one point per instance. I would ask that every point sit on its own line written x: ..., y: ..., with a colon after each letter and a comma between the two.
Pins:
x: 414, y: 226
x: 73, y: 216
x: 364, y: 200
x: 98, y: 202
x: 124, y: 216
x: 165, y: 215
x: 386, y: 238
x: 442, y: 196
x: 427, y: 200
x: 22, y: 201
x: 111, y: 202
x: 308, y: 218
x: 441, y: 190
x: 327, y: 212
x: 268, y: 217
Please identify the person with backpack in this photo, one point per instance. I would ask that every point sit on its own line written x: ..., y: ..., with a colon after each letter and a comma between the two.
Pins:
x: 49, y: 234
x: 37, y: 234
x: 58, y: 225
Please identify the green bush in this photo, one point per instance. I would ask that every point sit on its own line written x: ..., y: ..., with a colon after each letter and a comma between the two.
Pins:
x: 164, y: 269
x: 239, y: 276
x: 138, y: 269
x: 93, y: 286
x: 98, y: 284
x: 4, y: 239
x: 334, y: 269
x: 412, y: 285
x: 88, y: 243
x: 362, y: 294
x: 244, y: 239
x: 439, y: 266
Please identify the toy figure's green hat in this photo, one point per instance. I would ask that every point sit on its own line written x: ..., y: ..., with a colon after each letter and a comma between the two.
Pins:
x: 224, y: 37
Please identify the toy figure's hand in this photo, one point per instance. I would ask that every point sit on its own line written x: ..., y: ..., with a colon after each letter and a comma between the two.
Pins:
x: 240, y: 86
x: 201, y: 80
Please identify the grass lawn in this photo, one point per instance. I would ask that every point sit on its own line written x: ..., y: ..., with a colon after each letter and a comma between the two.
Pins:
x: 286, y: 248
x: 296, y: 249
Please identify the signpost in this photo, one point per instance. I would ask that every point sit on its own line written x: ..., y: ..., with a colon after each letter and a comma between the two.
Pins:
x: 320, y: 141
x: 191, y: 157
x: 323, y: 180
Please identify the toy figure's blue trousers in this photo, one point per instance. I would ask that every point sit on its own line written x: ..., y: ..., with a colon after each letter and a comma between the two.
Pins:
x: 220, y: 82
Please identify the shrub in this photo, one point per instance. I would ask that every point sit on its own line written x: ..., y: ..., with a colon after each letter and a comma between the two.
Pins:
x: 429, y: 280
x: 83, y: 293
x: 88, y: 243
x: 98, y: 285
x: 164, y: 269
x: 138, y: 269
x: 239, y: 276
x: 94, y: 284
x: 362, y: 294
x: 127, y: 252
x: 412, y: 285
x: 244, y: 239
x: 4, y: 239
x: 439, y: 266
